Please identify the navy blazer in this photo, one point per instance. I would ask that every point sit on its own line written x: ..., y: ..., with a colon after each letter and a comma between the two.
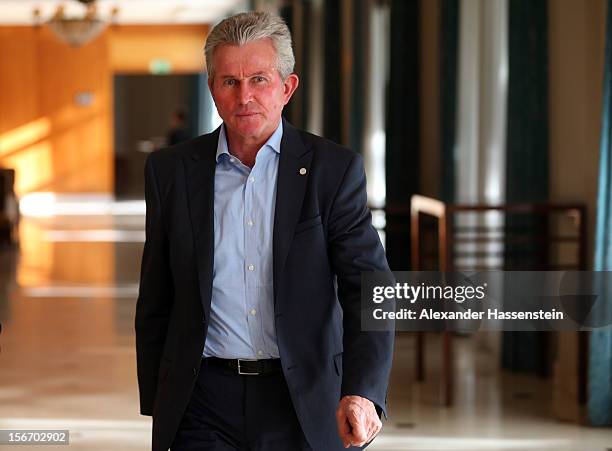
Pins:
x: 323, y: 240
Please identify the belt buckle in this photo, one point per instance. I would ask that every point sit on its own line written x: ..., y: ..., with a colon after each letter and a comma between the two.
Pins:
x: 245, y: 373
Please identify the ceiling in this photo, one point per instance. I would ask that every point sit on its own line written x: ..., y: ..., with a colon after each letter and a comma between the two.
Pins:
x: 19, y: 12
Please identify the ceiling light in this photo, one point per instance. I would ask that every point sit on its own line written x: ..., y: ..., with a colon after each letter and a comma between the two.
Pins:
x: 77, y: 31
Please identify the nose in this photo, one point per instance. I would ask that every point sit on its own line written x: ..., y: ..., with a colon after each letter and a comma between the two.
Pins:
x: 244, y: 93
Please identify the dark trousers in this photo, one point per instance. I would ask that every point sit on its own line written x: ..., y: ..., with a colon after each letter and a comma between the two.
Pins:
x: 228, y: 411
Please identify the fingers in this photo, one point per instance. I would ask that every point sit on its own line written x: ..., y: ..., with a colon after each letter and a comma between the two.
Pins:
x: 344, y: 428
x: 357, y: 422
x: 374, y: 428
x: 365, y: 431
x: 359, y: 429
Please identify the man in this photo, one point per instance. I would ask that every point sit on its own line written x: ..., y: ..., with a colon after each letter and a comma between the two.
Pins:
x: 248, y: 319
x: 179, y: 131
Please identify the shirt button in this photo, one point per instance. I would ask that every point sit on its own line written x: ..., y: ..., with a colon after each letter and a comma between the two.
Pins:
x: 252, y: 179
x: 232, y: 159
x: 250, y: 223
x: 253, y: 311
x: 251, y: 267
x: 260, y: 352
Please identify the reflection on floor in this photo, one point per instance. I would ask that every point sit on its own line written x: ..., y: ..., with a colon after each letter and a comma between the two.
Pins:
x: 67, y: 359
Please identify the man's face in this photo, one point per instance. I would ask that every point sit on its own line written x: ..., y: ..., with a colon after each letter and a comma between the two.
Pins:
x: 248, y: 90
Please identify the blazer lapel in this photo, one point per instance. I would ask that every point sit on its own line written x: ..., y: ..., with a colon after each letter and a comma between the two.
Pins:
x: 293, y: 172
x: 200, y: 167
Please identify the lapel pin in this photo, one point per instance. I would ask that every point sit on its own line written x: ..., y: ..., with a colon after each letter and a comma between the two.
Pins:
x: 302, y: 171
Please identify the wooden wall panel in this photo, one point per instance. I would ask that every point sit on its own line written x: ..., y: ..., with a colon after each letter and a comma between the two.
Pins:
x: 54, y: 143
x: 132, y: 48
x: 81, y: 136
x: 18, y: 75
x: 51, y: 142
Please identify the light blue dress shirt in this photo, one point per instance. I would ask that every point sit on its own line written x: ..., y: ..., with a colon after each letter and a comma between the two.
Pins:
x: 241, y: 323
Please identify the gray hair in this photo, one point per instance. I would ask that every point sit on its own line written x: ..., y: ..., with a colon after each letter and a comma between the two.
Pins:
x: 243, y: 28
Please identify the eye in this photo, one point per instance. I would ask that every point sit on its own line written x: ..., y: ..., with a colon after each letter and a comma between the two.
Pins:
x: 230, y: 82
x: 260, y: 79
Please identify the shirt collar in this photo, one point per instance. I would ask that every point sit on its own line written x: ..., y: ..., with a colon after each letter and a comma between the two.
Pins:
x: 274, y: 141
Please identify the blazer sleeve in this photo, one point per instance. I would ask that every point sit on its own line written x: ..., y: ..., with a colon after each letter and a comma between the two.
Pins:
x: 355, y: 247
x: 155, y: 296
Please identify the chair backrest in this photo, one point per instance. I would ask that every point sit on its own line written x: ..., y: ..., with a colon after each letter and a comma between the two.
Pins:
x: 526, y: 236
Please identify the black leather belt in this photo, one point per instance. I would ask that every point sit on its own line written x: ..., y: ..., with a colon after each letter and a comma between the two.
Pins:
x: 247, y: 367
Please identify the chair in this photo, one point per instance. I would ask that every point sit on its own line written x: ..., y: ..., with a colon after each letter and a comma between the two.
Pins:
x: 525, y: 236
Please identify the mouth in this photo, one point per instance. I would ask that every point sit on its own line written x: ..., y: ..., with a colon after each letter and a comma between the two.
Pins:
x: 246, y: 114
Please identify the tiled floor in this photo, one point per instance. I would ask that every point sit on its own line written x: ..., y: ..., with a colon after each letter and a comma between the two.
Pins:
x: 67, y: 359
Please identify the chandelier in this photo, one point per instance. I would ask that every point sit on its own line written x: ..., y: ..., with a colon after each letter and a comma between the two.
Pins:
x: 76, y: 31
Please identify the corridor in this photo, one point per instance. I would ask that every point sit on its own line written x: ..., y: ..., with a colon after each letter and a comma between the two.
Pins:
x: 68, y: 361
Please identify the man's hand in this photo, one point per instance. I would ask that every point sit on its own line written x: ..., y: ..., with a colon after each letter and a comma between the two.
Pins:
x: 358, y: 422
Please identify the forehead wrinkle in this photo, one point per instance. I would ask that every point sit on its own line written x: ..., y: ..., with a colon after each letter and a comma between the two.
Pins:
x: 235, y: 60
x: 254, y: 74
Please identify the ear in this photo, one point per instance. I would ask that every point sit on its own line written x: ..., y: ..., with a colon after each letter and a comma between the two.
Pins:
x: 289, y: 86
